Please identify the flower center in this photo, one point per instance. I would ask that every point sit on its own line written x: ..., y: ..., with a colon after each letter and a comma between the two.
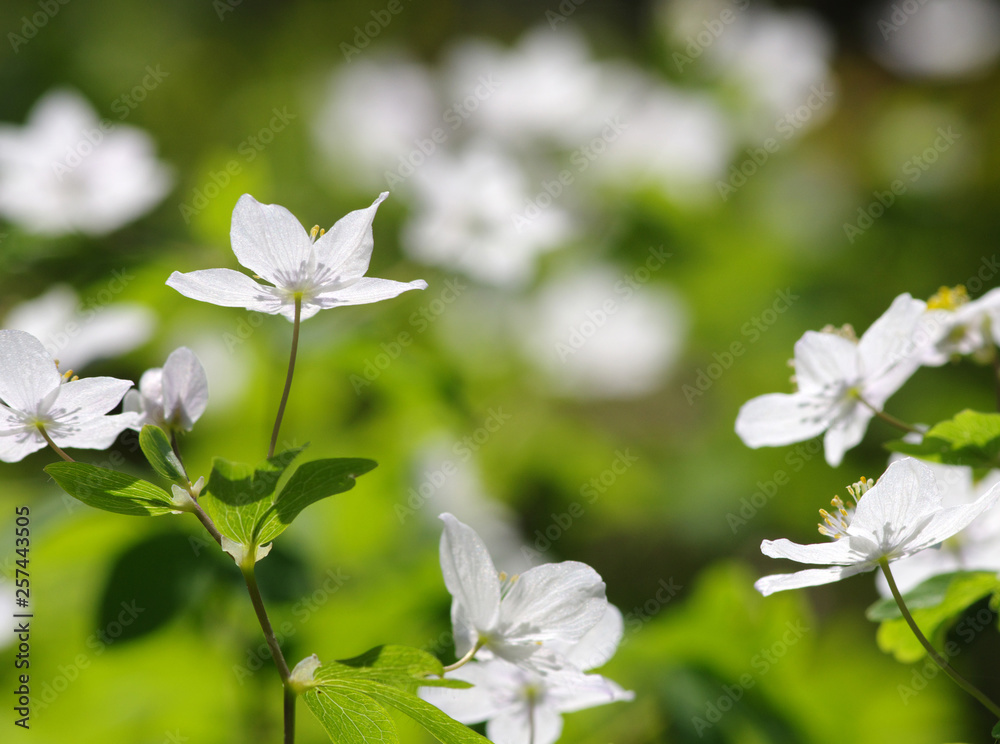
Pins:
x: 948, y: 298
x: 845, y: 331
x: 836, y: 524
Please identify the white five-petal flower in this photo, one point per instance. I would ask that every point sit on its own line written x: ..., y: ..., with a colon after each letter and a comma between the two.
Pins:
x: 899, y: 516
x: 523, y: 706
x: 323, y: 272
x: 33, y: 396
x: 171, y: 397
x: 841, y: 381
x: 527, y: 619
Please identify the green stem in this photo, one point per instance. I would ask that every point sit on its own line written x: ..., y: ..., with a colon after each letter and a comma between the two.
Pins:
x: 53, y: 445
x: 279, y: 658
x: 891, y: 420
x: 206, y: 521
x: 465, y: 659
x: 931, y: 651
x: 288, y: 379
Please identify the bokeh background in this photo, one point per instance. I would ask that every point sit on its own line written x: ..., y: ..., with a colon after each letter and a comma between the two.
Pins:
x: 626, y: 214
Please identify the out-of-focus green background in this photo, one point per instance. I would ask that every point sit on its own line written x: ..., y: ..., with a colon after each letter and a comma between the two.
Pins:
x: 611, y: 454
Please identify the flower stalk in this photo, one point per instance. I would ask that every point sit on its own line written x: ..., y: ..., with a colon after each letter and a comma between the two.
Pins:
x: 931, y: 651
x: 288, y: 378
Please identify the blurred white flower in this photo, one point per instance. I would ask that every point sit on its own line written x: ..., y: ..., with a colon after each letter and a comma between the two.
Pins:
x: 66, y: 171
x: 173, y: 396
x: 448, y: 481
x: 956, y: 326
x: 675, y: 140
x: 77, y: 332
x: 598, y: 333
x: 477, y: 213
x: 522, y: 706
x: 374, y: 114
x: 938, y: 39
x: 547, y: 87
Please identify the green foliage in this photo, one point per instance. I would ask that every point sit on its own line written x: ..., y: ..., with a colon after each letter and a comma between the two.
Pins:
x: 935, y: 605
x: 350, y: 697
x: 111, y: 490
x: 242, y: 499
x: 971, y: 438
x: 156, y: 447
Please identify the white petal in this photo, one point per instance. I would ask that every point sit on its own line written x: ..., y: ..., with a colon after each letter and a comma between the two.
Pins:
x: 846, y: 432
x: 834, y: 552
x: 887, y: 348
x: 346, y: 248
x: 483, y: 701
x: 225, y: 287
x: 27, y: 371
x: 570, y: 693
x: 599, y: 643
x: 809, y: 577
x: 16, y: 447
x: 898, y: 504
x: 99, y: 433
x: 366, y: 290
x: 948, y: 522
x: 88, y: 398
x: 824, y: 362
x: 513, y: 726
x: 267, y: 239
x: 778, y: 418
x: 552, y: 602
x: 185, y: 388
x: 471, y: 578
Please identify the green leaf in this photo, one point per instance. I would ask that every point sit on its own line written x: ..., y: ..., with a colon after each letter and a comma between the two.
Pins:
x: 971, y: 438
x: 930, y: 593
x: 351, y: 717
x: 312, y: 482
x: 963, y: 590
x: 996, y: 730
x: 384, y: 676
x: 111, y: 490
x: 156, y: 447
x: 237, y: 496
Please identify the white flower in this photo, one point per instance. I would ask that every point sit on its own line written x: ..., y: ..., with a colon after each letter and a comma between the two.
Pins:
x: 323, y: 272
x: 77, y: 332
x: 526, y: 619
x: 840, y: 380
x: 899, y: 516
x: 957, y: 327
x: 34, y: 396
x: 171, y: 397
x: 975, y: 548
x: 523, y: 706
x: 594, y: 340
x: 66, y: 171
x: 476, y: 213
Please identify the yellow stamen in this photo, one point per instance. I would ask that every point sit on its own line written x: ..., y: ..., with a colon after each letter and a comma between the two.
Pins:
x: 948, y: 298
